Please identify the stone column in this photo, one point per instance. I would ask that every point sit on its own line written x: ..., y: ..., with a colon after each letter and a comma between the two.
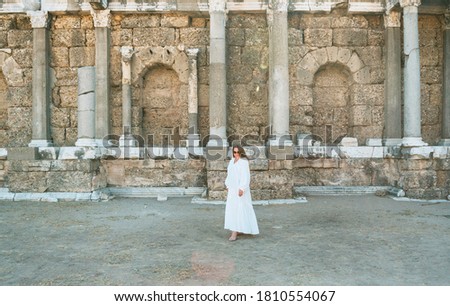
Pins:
x: 102, y: 23
x: 86, y: 107
x: 217, y: 75
x: 127, y: 139
x: 41, y: 81
x: 446, y: 86
x: 193, y: 137
x: 412, y: 135
x: 393, y: 82
x: 279, y: 75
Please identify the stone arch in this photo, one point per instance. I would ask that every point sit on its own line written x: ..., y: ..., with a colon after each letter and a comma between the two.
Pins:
x: 160, y: 77
x: 345, y: 65
x: 11, y: 75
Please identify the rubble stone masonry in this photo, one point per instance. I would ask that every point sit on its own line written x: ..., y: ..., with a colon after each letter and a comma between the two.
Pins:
x: 336, y: 89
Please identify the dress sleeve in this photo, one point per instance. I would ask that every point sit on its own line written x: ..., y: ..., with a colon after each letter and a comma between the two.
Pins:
x: 244, y: 175
x: 227, y: 180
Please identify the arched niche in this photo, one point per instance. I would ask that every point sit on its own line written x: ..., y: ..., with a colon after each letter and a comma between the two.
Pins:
x: 337, y: 78
x: 160, y: 77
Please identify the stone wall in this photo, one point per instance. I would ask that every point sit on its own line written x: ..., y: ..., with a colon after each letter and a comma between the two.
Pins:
x: 155, y: 173
x: 55, y: 175
x: 16, y: 42
x: 157, y: 109
x: 322, y: 49
x: 271, y: 179
x: 431, y: 59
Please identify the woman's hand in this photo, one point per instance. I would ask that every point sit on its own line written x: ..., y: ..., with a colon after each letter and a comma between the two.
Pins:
x: 241, y: 192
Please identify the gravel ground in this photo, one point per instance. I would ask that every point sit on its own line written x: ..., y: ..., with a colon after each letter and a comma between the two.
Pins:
x: 341, y: 240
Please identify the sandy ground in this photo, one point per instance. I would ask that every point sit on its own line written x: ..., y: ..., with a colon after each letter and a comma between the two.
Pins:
x: 343, y: 240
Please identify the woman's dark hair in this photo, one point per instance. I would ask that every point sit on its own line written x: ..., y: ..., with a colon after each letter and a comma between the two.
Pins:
x: 241, y: 151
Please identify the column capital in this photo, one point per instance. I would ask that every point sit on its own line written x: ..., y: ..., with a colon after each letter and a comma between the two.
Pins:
x: 39, y: 19
x: 192, y: 52
x: 217, y: 6
x: 447, y: 21
x: 127, y: 53
x: 392, y: 19
x: 102, y: 18
x: 405, y: 3
x: 279, y: 5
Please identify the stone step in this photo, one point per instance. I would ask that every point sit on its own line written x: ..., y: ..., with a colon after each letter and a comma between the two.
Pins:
x: 346, y: 190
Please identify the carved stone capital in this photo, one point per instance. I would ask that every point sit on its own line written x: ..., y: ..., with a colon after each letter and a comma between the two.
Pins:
x: 404, y: 3
x: 127, y: 53
x: 447, y: 21
x: 392, y: 19
x: 39, y: 19
x: 102, y: 18
x: 193, y: 52
x: 279, y: 5
x: 217, y: 6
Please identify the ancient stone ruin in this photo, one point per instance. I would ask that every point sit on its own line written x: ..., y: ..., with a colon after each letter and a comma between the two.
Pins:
x: 138, y: 97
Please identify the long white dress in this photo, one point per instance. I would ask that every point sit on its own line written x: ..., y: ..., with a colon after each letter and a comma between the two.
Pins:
x: 239, y: 213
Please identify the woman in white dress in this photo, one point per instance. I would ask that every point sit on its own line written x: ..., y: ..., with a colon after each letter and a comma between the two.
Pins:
x: 239, y: 214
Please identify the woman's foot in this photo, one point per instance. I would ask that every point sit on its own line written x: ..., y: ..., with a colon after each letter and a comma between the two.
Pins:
x: 233, y: 236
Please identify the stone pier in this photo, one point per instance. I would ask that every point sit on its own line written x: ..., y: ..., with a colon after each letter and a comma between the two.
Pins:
x: 280, y: 144
x: 217, y: 76
x: 193, y: 137
x: 102, y: 24
x: 412, y: 135
x: 86, y: 107
x: 126, y: 140
x: 393, y: 83
x: 446, y: 86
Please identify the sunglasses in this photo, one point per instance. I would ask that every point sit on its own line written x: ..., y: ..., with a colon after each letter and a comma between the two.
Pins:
x: 235, y: 152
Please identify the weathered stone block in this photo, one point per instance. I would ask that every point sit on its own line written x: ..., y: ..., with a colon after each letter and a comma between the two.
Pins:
x: 82, y: 56
x: 313, y: 21
x: 20, y: 38
x: 194, y: 36
x: 199, y: 22
x: 23, y: 57
x: 431, y: 75
x: 73, y: 181
x: 60, y: 57
x: 67, y: 22
x: 362, y: 76
x: 295, y: 37
x: 417, y: 180
x: 66, y: 76
x: 256, y: 37
x: 154, y: 37
x: 216, y: 180
x: 247, y: 21
x: 22, y: 153
x: 318, y: 37
x: 349, y: 22
x: 141, y: 21
x: 217, y: 195
x: 251, y: 55
x: 259, y: 164
x: 415, y: 164
x: 217, y: 165
x: 19, y: 97
x: 68, y: 38
x: 375, y: 38
x: 174, y: 21
x: 349, y: 37
x: 27, y: 182
x: 280, y: 152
